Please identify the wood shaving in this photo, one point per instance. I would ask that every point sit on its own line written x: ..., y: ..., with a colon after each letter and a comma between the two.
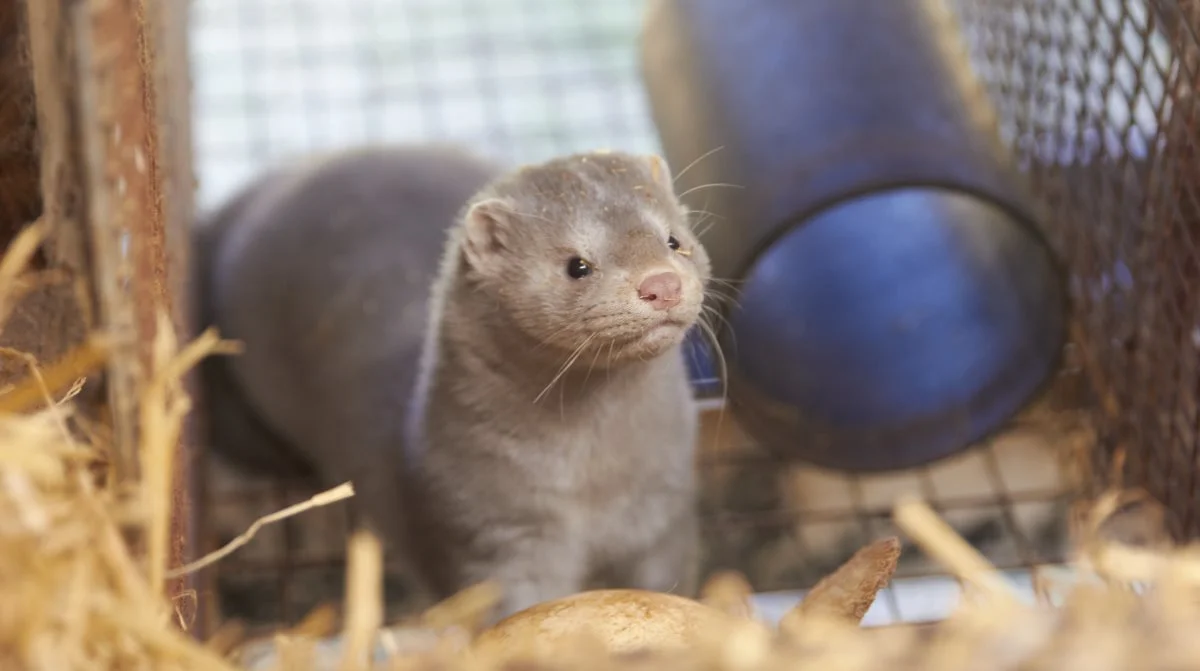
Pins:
x: 848, y: 592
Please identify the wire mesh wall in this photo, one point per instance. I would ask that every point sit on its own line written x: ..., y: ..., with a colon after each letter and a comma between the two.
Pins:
x: 1097, y: 98
x: 523, y: 80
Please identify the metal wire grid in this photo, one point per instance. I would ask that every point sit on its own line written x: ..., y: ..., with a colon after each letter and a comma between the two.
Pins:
x: 1096, y: 97
x: 786, y: 525
x: 783, y: 525
x: 521, y: 80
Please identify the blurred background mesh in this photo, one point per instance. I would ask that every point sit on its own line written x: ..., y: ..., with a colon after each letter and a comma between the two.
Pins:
x: 520, y: 80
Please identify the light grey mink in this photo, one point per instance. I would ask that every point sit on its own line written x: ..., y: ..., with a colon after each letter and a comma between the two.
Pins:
x: 551, y: 442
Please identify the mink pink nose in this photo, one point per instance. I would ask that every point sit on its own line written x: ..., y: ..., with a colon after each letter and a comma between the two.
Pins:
x: 661, y: 290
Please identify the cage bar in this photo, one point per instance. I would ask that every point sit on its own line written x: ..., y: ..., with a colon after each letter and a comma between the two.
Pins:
x: 112, y: 94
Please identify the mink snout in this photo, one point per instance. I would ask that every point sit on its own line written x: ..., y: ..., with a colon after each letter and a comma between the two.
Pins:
x: 661, y: 290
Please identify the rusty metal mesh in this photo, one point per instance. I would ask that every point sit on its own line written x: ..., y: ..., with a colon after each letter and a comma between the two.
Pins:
x: 1094, y: 95
x: 1097, y: 99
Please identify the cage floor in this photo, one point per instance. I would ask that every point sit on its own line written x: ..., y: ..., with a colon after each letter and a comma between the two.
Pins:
x: 782, y: 526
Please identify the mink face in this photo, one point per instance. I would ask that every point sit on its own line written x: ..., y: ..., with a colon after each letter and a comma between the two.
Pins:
x: 590, y: 254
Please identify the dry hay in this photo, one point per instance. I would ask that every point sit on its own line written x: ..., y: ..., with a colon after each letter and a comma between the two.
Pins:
x: 72, y: 596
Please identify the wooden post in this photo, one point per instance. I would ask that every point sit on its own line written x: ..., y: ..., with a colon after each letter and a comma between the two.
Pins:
x: 132, y: 115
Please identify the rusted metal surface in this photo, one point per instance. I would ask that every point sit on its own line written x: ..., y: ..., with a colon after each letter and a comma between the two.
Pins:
x: 1097, y: 99
x: 173, y: 83
x: 117, y: 112
x: 131, y: 170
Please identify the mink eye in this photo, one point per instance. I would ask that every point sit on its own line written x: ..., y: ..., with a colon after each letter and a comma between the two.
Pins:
x: 577, y: 268
x: 672, y: 242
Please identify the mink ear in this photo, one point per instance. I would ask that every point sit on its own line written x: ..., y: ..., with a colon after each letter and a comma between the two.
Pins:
x: 659, y: 171
x: 487, y: 230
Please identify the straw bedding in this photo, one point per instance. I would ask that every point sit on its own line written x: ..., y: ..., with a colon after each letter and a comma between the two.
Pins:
x: 71, y: 597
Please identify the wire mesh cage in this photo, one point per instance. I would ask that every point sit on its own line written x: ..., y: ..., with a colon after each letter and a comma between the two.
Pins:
x: 1094, y: 97
x: 1097, y: 102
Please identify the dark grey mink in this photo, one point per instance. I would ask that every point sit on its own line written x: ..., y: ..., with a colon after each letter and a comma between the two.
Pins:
x: 322, y: 269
